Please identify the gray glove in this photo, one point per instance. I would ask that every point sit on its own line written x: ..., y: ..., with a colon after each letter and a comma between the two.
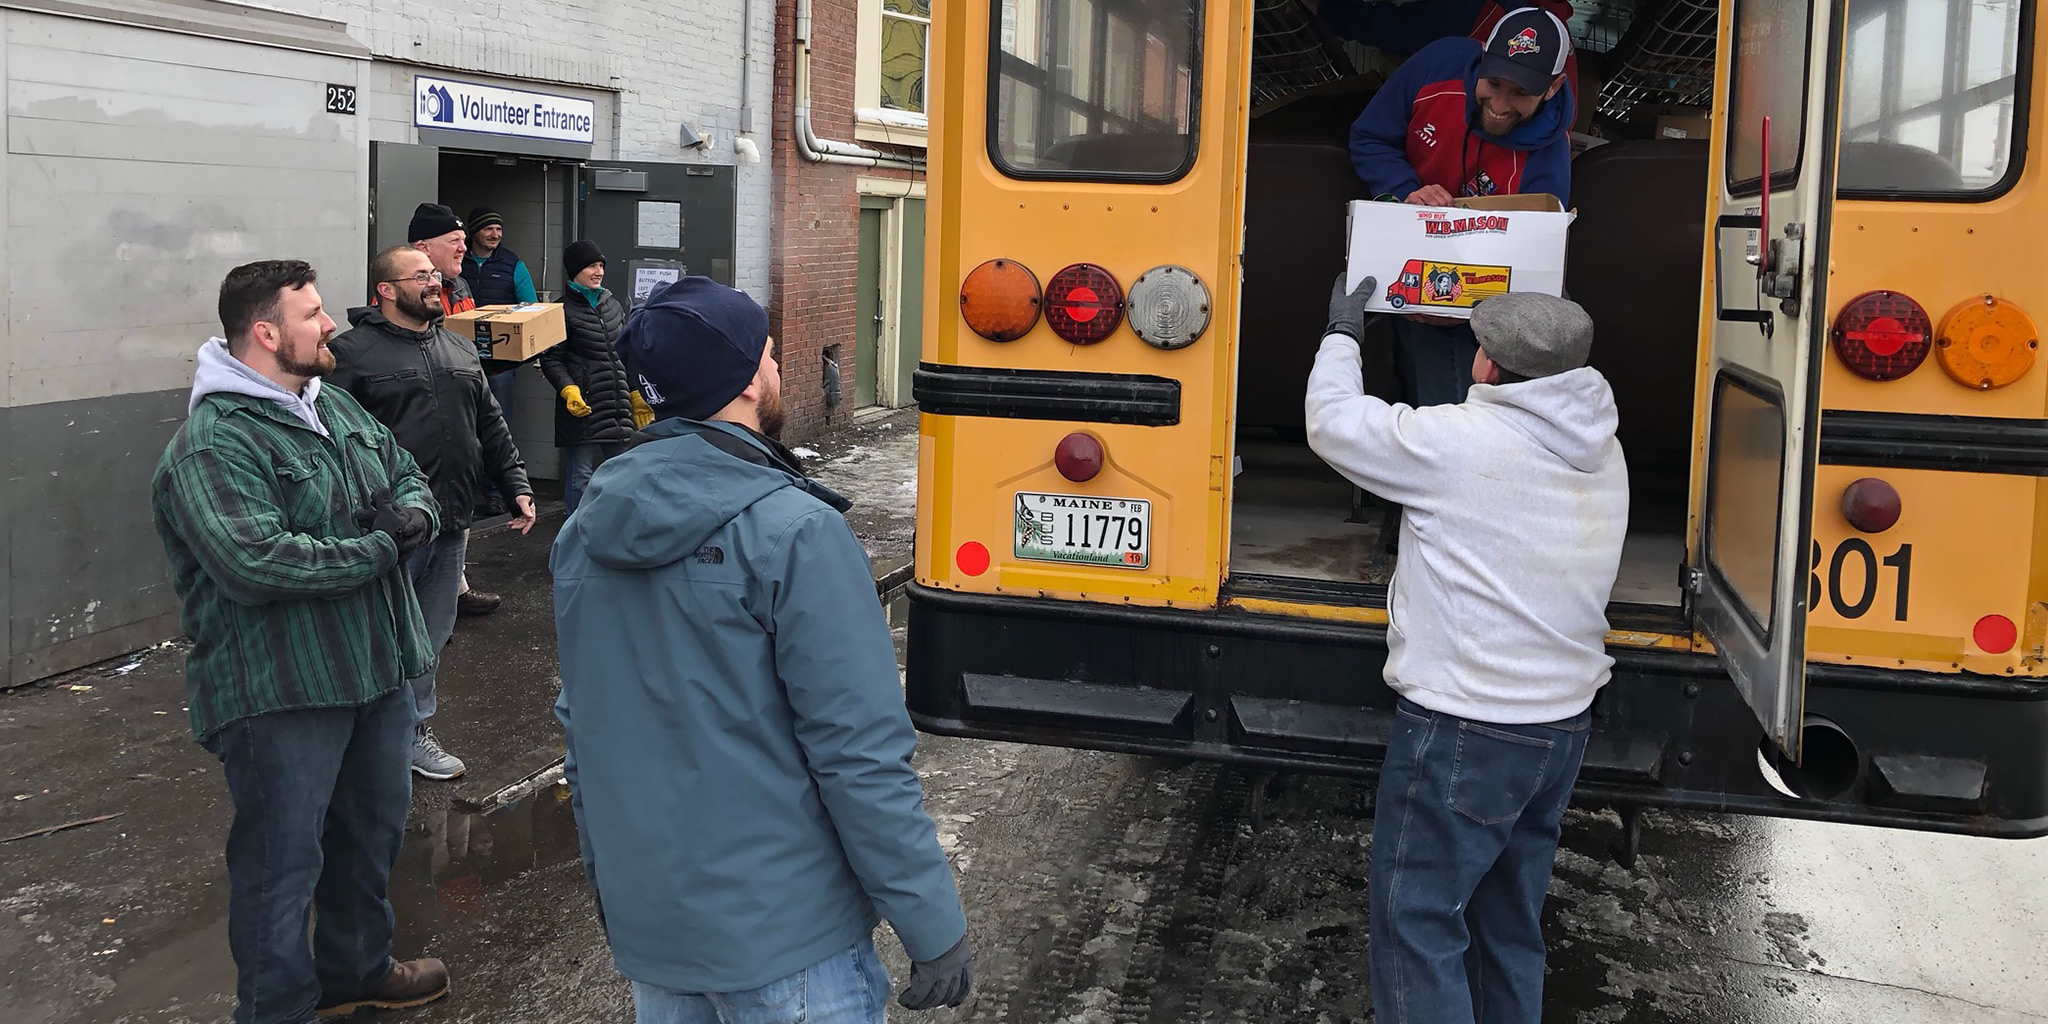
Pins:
x: 1347, y: 311
x: 944, y: 981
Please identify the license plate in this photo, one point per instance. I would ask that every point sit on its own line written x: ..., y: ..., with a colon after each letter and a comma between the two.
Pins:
x: 1084, y: 530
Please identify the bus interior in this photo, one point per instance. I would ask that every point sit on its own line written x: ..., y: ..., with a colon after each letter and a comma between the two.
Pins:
x: 1633, y: 262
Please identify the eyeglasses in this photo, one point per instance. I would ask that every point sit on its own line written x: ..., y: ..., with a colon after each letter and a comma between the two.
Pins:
x: 423, y: 277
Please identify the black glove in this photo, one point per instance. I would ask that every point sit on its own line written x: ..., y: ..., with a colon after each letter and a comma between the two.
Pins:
x: 941, y: 982
x: 1347, y: 310
x: 407, y: 527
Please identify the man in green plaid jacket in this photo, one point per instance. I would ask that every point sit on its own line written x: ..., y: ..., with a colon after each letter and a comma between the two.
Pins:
x: 287, y: 512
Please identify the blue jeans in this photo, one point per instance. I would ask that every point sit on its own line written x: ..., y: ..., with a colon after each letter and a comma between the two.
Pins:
x: 502, y: 387
x: 1463, y: 838
x: 578, y: 462
x: 437, y: 581
x: 1434, y: 364
x: 320, y: 803
x: 848, y: 987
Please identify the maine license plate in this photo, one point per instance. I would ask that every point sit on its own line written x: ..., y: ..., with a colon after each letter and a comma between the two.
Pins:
x: 1085, y: 530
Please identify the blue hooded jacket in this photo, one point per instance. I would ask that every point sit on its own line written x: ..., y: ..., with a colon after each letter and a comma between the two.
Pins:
x: 738, y: 749
x: 1418, y: 130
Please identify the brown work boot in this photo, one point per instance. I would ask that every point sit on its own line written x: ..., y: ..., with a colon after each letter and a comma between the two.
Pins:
x: 410, y: 983
x: 476, y: 602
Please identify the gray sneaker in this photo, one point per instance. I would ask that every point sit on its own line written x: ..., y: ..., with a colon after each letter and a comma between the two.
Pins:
x: 430, y: 760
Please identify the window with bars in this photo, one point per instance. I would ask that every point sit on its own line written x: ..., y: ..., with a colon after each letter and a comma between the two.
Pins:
x: 1102, y: 89
x: 1930, y: 96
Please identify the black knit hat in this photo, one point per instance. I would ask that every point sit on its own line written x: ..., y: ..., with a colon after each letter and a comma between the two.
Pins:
x: 432, y: 220
x: 580, y: 253
x: 481, y: 218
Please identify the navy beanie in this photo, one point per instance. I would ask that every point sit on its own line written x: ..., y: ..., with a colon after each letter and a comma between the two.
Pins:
x: 693, y: 346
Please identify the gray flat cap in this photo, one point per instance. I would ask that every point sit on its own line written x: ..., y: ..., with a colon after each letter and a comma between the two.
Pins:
x: 1533, y: 334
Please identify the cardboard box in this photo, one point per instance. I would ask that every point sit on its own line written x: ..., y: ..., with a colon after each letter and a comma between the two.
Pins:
x: 515, y: 333
x: 1444, y: 260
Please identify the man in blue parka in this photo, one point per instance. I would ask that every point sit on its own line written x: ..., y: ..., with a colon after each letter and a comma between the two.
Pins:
x: 738, y: 749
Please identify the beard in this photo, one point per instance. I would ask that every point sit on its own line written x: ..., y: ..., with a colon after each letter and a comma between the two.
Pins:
x: 320, y: 365
x: 417, y: 306
x: 771, y: 413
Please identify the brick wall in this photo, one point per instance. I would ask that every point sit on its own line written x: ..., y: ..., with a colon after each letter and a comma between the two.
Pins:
x: 816, y: 227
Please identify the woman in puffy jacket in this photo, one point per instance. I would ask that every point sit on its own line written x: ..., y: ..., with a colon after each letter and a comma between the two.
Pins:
x: 599, y: 410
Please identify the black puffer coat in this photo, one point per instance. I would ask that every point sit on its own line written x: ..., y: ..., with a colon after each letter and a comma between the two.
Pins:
x: 588, y: 359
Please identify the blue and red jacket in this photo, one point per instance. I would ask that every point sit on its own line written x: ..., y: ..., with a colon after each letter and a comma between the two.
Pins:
x: 1418, y: 131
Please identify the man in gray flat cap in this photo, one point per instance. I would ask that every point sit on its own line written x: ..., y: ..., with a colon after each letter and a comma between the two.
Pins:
x: 1517, y: 503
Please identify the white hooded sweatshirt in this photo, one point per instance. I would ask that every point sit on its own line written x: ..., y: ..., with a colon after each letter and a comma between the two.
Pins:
x: 1516, y: 508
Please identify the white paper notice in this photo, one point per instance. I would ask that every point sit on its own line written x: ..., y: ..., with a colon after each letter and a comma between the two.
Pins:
x: 660, y: 225
x: 647, y: 279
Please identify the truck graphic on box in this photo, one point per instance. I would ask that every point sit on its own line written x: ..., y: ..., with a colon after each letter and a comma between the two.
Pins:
x: 1453, y: 285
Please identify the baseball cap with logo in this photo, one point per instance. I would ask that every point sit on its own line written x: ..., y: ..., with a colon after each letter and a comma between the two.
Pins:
x: 1528, y: 47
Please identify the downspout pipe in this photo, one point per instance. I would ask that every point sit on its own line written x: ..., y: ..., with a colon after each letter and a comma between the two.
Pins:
x: 828, y: 151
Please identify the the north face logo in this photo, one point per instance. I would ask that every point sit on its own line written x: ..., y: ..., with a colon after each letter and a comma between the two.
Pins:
x: 1524, y: 42
x: 710, y: 555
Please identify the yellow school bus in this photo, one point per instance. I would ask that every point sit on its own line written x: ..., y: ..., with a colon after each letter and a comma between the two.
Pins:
x: 1819, y: 321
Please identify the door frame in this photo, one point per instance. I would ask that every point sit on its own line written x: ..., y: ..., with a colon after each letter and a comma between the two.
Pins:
x: 889, y: 340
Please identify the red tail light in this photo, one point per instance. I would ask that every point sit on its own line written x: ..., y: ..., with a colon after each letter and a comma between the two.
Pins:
x: 1000, y: 300
x: 1084, y: 304
x: 1883, y: 335
x: 1078, y: 457
x: 1871, y: 505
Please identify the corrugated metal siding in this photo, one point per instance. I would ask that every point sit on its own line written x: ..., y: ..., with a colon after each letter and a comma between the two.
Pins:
x: 141, y: 165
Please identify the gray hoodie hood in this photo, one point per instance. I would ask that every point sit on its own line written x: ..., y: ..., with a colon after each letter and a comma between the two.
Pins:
x: 1571, y: 414
x: 220, y: 372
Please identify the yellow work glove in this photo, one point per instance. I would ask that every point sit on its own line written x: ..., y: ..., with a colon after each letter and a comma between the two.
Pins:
x: 643, y: 414
x: 572, y: 396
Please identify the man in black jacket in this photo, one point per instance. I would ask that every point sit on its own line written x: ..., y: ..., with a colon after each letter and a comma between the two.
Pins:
x: 424, y: 382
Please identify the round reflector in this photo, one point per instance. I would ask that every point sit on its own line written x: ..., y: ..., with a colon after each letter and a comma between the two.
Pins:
x: 972, y: 558
x: 1078, y: 457
x: 1986, y: 343
x: 1083, y: 304
x: 1882, y: 335
x: 1000, y: 300
x: 1995, y: 634
x: 1169, y: 307
x: 1871, y: 505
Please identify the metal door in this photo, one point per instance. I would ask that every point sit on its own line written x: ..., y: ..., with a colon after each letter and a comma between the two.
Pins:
x: 656, y: 222
x: 1773, y: 187
x: 402, y: 177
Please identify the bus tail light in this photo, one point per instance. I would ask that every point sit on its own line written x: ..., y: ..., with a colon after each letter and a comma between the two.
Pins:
x: 1084, y: 304
x: 1169, y: 307
x: 1871, y: 505
x: 1882, y: 335
x: 1000, y: 300
x: 1986, y: 343
x: 1078, y: 457
x: 1995, y: 634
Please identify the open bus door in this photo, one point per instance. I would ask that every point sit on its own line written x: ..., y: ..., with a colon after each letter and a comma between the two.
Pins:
x: 1773, y: 187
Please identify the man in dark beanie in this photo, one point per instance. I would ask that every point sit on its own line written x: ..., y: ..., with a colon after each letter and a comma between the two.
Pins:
x: 1517, y: 503
x: 718, y: 628
x: 496, y: 276
x: 437, y: 231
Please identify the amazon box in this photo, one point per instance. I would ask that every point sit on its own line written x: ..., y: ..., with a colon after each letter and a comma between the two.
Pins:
x: 1443, y: 260
x: 514, y: 334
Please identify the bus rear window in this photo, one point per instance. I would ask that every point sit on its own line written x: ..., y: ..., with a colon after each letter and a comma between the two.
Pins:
x: 1931, y: 98
x: 1094, y: 89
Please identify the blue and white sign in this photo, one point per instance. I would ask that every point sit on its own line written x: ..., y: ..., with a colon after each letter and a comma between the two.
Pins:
x: 450, y: 105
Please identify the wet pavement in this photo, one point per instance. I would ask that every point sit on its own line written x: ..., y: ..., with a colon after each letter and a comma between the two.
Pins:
x: 1100, y: 888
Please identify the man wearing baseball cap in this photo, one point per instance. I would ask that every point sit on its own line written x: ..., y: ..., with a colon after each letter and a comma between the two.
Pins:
x: 738, y: 750
x: 1408, y: 27
x: 1465, y: 118
x: 1517, y: 503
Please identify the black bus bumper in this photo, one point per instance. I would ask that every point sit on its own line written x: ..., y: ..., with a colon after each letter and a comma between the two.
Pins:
x: 1949, y: 753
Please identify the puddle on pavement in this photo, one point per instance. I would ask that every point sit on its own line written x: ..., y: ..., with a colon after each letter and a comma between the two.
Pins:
x: 453, y: 863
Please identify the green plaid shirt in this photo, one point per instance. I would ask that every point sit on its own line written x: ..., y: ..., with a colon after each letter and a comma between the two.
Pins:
x: 288, y: 602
